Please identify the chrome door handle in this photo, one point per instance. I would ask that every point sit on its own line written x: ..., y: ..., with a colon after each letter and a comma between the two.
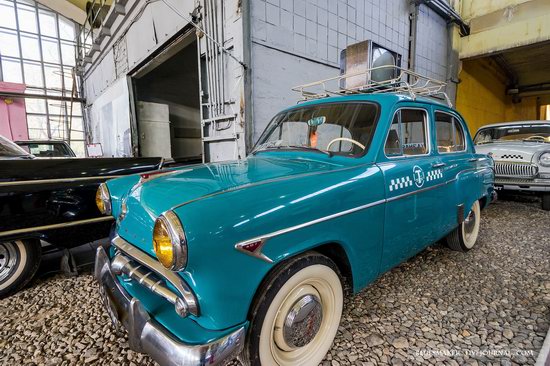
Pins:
x: 473, y: 160
x: 438, y: 165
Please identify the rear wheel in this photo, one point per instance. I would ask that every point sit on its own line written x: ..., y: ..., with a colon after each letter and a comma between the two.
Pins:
x: 19, y: 261
x: 464, y: 237
x: 297, y: 313
x: 546, y: 201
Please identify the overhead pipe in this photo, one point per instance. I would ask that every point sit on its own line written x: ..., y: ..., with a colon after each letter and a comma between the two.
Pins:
x: 443, y: 9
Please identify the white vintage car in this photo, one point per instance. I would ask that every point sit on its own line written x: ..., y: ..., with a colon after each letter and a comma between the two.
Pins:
x: 521, y: 151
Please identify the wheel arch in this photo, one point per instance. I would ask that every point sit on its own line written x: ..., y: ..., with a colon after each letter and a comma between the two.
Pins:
x: 338, y: 254
x: 333, y: 250
x: 483, y: 202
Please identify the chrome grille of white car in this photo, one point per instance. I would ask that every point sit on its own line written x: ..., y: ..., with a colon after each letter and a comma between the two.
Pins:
x: 515, y: 170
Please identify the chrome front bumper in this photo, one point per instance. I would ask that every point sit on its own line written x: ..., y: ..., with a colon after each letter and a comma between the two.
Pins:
x: 522, y: 184
x: 145, y: 335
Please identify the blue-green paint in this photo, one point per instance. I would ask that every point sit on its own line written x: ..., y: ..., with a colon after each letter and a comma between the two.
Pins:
x: 221, y: 204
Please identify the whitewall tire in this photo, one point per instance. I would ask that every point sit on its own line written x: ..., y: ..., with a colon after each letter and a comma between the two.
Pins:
x: 19, y: 261
x: 297, y: 314
x: 464, y: 237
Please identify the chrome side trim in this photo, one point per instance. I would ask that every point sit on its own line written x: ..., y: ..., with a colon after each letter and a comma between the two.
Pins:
x: 55, y: 226
x: 58, y: 180
x: 257, y: 253
x: 263, y: 238
x: 154, y: 265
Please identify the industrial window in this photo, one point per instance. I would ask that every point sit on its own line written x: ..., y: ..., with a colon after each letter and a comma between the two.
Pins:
x: 449, y: 133
x: 407, y: 134
x: 37, y: 48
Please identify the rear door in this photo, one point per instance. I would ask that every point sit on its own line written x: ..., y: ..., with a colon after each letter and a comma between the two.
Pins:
x: 414, y: 199
x: 453, y: 160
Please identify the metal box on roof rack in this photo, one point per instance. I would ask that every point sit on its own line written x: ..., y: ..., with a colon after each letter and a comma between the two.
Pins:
x: 359, y: 57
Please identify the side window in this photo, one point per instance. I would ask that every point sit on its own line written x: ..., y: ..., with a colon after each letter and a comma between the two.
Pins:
x: 449, y: 133
x: 407, y: 135
x: 393, y: 143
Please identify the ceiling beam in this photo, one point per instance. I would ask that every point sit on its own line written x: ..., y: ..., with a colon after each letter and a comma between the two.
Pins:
x: 511, y: 74
x: 65, y: 8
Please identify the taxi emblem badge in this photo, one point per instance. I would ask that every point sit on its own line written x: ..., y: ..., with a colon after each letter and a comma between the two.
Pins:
x: 418, y: 176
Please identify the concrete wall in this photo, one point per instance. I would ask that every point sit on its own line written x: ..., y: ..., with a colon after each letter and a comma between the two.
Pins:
x: 299, y: 41
x: 498, y: 25
x: 293, y: 42
x: 134, y: 36
x: 481, y: 96
x: 432, y: 44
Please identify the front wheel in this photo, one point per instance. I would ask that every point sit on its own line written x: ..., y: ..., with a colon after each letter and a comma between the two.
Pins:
x: 19, y: 261
x: 464, y: 237
x: 297, y: 313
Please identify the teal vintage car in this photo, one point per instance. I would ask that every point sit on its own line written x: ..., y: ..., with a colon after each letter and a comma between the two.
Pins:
x: 252, y: 258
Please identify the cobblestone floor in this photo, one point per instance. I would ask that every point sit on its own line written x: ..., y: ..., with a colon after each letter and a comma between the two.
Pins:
x: 489, y: 306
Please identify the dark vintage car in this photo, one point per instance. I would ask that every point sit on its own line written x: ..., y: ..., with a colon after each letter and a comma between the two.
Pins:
x: 47, y: 148
x: 51, y: 201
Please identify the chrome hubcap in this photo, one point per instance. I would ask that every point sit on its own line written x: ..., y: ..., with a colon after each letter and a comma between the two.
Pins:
x: 303, y: 321
x: 8, y: 259
x: 470, y: 223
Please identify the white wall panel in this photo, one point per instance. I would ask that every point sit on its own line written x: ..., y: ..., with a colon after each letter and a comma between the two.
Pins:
x: 110, y: 120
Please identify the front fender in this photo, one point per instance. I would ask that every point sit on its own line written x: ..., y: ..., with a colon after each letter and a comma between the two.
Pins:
x: 225, y: 279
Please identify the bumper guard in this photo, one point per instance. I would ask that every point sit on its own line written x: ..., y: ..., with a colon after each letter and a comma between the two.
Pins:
x: 147, y: 336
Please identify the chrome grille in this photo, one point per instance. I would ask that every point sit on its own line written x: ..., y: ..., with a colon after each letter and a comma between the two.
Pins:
x: 515, y: 170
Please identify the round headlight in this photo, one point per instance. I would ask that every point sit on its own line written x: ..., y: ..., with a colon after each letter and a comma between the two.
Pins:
x: 103, y: 199
x: 169, y: 242
x: 544, y: 159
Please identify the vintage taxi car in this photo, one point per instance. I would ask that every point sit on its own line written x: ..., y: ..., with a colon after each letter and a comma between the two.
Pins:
x: 521, y: 151
x: 252, y: 258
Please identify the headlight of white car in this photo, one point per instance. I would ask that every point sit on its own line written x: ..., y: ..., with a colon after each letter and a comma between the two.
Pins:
x: 544, y: 159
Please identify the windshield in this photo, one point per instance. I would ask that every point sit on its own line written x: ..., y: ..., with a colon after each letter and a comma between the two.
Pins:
x: 46, y: 150
x: 524, y: 132
x: 10, y: 149
x: 334, y: 128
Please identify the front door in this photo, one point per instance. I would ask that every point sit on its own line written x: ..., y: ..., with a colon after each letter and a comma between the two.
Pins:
x: 412, y: 176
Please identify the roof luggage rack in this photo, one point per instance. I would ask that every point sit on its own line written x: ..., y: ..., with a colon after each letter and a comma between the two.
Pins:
x: 401, y: 81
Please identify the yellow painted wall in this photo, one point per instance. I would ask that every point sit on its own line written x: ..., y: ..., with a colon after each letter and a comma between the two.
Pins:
x: 481, y: 96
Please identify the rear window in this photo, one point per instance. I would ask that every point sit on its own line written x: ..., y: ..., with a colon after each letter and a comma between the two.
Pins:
x: 449, y: 133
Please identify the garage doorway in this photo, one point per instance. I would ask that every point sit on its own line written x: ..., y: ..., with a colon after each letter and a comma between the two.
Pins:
x: 166, y: 95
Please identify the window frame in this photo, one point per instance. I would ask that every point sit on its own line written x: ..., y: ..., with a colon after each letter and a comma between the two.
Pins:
x: 458, y: 121
x: 427, y: 134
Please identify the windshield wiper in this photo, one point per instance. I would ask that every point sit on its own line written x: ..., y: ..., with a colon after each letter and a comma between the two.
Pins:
x: 297, y: 147
x: 265, y: 148
x: 328, y: 153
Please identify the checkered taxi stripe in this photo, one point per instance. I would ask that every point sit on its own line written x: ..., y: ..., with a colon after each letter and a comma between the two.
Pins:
x: 400, y: 183
x: 434, y: 175
x: 512, y: 156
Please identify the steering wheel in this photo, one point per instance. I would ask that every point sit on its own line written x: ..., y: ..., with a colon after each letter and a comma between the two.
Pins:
x: 347, y: 140
x: 536, y: 137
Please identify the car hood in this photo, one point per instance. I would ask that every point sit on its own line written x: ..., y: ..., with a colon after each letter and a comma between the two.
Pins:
x: 518, y: 151
x: 156, y: 194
